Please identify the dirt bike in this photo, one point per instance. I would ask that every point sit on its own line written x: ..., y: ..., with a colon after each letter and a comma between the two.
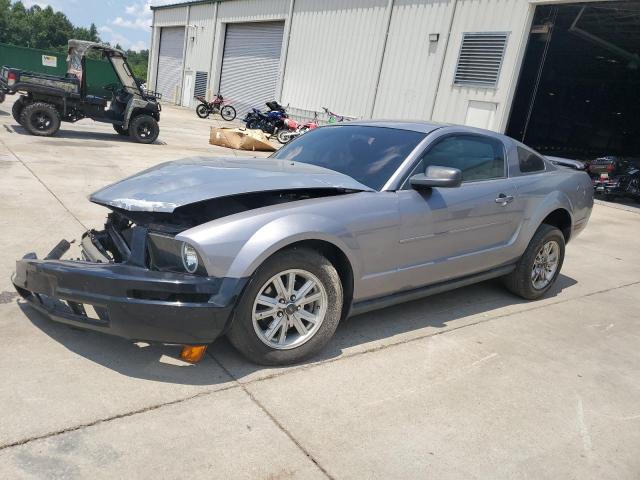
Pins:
x: 293, y: 129
x: 217, y: 105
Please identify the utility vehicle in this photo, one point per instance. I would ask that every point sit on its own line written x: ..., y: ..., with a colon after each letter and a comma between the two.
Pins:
x: 46, y: 100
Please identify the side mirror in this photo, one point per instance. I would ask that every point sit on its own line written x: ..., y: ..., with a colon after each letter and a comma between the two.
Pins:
x: 435, y: 176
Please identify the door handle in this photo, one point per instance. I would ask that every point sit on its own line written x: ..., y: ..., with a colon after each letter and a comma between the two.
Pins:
x: 504, y: 199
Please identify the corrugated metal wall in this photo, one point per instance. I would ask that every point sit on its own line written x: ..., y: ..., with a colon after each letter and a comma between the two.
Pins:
x: 335, y: 52
x: 333, y: 55
x: 411, y: 62
x: 483, y: 16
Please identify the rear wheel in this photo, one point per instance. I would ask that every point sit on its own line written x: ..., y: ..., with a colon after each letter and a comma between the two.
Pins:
x: 41, y: 119
x: 144, y: 129
x: 228, y: 113
x: 202, y: 111
x: 16, y: 109
x: 121, y: 130
x: 539, y: 267
x: 289, y: 310
x: 284, y: 136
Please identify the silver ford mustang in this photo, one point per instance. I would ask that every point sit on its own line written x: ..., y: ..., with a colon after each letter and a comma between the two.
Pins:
x: 345, y: 219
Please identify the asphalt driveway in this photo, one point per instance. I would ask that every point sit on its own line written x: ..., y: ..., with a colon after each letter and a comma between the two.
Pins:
x: 474, y: 383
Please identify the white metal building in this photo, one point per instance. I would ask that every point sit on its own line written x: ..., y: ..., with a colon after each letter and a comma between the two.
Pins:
x: 455, y: 61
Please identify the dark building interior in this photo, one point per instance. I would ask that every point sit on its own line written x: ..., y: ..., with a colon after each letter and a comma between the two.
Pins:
x: 578, y: 94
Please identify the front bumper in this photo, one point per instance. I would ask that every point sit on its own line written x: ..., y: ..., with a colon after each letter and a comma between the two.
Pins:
x: 129, y: 301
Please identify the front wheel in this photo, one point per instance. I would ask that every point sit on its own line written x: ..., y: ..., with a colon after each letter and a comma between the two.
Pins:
x: 289, y: 310
x: 144, y: 129
x: 41, y: 119
x: 228, y: 113
x: 202, y: 111
x: 539, y: 267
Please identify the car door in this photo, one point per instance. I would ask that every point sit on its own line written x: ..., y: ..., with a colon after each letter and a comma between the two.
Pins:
x: 447, y: 233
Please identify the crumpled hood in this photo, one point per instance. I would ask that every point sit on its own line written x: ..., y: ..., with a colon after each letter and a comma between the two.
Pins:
x: 170, y: 185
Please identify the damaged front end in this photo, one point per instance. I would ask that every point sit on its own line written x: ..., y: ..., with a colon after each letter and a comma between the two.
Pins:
x: 135, y: 280
x: 130, y: 282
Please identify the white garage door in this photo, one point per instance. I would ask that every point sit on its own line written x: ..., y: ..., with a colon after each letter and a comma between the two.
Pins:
x: 250, y: 64
x: 170, y: 62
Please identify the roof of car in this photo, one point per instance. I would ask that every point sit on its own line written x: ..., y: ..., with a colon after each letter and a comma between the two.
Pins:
x: 412, y: 125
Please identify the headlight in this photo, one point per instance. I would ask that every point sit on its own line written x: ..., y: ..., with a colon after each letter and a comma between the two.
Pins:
x: 189, y: 258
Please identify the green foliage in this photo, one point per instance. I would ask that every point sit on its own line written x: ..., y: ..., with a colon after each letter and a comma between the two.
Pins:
x: 138, y: 62
x: 47, y: 29
x: 38, y: 27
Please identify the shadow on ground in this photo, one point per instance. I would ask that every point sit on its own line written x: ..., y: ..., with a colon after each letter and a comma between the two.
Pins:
x: 83, y: 135
x: 157, y: 362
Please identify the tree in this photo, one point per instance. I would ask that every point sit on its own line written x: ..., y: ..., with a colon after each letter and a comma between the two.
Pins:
x: 38, y: 27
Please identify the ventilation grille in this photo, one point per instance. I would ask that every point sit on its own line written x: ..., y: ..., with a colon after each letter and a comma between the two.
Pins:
x: 200, y: 88
x: 480, y: 59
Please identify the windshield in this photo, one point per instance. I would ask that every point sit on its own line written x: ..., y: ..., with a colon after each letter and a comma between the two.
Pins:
x: 124, y: 74
x: 367, y: 154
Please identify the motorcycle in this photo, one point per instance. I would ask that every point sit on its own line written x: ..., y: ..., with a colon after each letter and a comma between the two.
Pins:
x: 614, y: 176
x: 269, y: 122
x: 217, y: 105
x: 293, y: 129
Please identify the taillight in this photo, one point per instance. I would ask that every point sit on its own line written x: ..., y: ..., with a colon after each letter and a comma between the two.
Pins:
x: 11, y: 78
x: 610, y: 168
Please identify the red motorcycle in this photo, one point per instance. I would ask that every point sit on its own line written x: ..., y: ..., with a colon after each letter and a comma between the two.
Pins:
x: 293, y: 129
x: 217, y: 105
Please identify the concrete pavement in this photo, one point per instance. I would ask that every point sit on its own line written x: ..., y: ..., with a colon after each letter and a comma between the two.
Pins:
x: 473, y: 383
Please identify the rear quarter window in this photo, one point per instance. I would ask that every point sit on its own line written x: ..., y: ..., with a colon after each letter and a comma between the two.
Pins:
x: 529, y: 161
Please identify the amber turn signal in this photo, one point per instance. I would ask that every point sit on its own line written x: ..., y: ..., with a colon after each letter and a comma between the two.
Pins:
x: 193, y: 354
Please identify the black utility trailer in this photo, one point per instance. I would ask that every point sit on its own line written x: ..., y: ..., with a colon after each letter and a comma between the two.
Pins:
x: 47, y: 100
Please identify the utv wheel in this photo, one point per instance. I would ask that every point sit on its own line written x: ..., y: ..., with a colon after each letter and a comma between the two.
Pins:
x: 289, y: 310
x: 228, y: 113
x: 144, y: 129
x: 16, y: 109
x: 202, y: 111
x: 121, y: 130
x: 539, y: 267
x: 41, y: 119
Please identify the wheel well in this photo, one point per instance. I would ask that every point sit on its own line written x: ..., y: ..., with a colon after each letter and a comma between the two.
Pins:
x: 341, y: 263
x: 560, y: 219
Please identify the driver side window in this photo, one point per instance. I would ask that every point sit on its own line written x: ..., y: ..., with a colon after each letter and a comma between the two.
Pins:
x: 476, y: 156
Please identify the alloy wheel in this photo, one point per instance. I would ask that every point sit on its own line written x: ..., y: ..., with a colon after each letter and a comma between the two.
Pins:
x: 289, y: 309
x: 545, y: 265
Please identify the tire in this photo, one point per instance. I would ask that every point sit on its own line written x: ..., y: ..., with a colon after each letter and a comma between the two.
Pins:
x: 228, y: 113
x: 244, y: 332
x: 144, y: 129
x: 16, y: 109
x: 40, y: 119
x: 522, y: 280
x: 202, y: 111
x: 284, y: 136
x: 121, y: 131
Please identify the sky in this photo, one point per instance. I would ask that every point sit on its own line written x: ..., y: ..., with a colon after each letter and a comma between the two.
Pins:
x: 127, y: 22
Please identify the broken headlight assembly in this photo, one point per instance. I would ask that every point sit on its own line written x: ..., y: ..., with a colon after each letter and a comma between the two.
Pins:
x: 168, y: 254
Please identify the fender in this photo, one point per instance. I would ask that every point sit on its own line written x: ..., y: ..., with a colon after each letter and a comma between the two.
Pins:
x: 287, y: 230
x: 551, y: 202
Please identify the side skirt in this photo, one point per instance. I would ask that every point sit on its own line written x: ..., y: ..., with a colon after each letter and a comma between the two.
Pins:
x: 417, y: 293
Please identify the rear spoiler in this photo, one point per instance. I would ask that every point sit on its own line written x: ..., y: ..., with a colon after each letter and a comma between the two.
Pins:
x: 566, y: 162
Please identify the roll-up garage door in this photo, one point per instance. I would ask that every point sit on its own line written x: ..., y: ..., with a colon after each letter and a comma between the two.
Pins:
x: 170, y: 63
x: 250, y: 64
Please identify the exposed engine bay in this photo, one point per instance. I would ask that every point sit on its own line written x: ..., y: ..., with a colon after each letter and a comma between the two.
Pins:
x: 153, y: 232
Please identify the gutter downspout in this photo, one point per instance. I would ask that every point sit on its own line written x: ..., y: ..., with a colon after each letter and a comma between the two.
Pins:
x: 213, y: 48
x: 285, y: 50
x: 178, y: 99
x: 388, y: 13
x: 444, y: 57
